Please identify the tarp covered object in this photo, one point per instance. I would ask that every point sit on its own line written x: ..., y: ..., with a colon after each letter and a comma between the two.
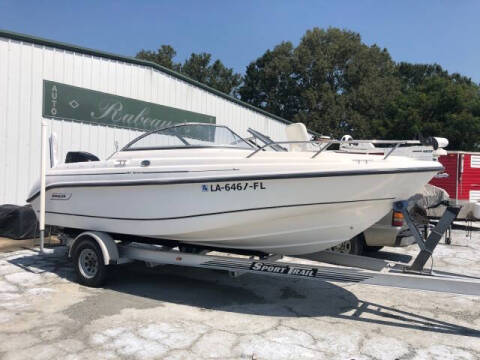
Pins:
x: 17, y: 222
x: 420, y: 204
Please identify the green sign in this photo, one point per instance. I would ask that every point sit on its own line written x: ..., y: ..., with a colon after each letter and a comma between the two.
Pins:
x: 61, y: 101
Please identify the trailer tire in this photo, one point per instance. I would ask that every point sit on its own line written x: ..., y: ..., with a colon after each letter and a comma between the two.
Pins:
x: 89, y: 264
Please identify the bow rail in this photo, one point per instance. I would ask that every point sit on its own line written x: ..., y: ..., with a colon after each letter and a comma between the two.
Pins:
x: 327, y: 143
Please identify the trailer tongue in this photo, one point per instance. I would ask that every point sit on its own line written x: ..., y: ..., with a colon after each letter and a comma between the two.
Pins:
x: 390, y: 275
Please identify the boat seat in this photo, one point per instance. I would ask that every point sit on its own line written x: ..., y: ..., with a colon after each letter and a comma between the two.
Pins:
x: 297, y: 132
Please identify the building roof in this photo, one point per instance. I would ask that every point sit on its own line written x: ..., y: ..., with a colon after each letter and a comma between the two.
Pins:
x: 131, y: 60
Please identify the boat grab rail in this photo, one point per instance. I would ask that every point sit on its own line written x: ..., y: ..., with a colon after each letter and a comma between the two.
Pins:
x: 328, y: 143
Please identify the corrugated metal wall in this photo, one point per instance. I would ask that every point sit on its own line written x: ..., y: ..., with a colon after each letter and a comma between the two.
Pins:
x: 24, y: 66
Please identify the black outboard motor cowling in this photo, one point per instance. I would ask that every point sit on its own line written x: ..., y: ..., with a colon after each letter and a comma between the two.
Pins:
x: 80, y: 156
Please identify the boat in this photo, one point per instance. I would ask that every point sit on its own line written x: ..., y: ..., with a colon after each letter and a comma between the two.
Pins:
x: 204, y: 185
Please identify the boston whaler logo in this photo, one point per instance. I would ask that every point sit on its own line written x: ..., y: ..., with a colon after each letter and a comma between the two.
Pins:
x: 61, y: 196
x: 283, y: 269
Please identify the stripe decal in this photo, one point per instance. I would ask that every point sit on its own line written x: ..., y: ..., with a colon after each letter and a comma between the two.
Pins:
x: 217, y: 213
x: 303, y: 175
x: 335, y: 275
x: 144, y: 172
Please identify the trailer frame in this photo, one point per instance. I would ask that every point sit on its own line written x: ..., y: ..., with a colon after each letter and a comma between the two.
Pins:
x: 108, y: 251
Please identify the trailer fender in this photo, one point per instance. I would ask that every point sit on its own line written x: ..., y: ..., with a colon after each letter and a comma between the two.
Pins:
x: 105, y: 242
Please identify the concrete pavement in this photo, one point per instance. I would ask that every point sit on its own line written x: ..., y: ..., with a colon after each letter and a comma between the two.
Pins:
x: 180, y: 313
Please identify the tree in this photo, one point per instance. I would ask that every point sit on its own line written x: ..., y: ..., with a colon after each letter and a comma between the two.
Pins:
x: 331, y: 81
x: 216, y: 75
x: 412, y: 75
x: 336, y: 85
x: 164, y: 57
x: 435, y: 103
x: 197, y: 67
x: 270, y: 82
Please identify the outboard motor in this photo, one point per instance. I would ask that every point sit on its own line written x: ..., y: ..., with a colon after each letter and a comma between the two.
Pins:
x: 435, y: 142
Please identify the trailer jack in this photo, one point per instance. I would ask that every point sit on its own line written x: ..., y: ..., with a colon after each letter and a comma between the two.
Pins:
x: 428, y: 245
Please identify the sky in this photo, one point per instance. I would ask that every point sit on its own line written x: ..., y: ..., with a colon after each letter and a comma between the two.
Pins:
x: 238, y: 32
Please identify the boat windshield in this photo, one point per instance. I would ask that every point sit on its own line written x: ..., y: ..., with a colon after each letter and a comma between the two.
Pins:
x: 194, y: 135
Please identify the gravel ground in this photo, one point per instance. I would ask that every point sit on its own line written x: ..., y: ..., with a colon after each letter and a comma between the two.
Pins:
x: 180, y: 313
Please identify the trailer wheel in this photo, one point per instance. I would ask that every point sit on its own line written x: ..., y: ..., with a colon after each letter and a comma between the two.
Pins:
x: 89, y: 264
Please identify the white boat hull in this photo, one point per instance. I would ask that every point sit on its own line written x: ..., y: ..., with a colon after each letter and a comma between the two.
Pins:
x: 265, y: 213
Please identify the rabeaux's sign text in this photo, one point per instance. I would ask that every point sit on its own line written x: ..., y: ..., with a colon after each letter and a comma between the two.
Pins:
x: 61, y: 101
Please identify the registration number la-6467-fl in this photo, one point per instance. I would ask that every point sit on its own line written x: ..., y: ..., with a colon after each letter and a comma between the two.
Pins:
x: 238, y: 186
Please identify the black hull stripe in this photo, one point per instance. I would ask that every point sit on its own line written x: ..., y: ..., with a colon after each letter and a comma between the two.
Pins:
x: 217, y: 213
x: 240, y: 178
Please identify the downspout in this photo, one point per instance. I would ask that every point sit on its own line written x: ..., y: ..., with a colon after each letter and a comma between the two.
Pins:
x: 456, y: 181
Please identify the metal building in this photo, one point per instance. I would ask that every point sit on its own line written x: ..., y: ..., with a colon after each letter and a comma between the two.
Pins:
x: 94, y: 100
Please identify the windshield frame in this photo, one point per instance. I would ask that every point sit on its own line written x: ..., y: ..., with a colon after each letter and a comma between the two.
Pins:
x: 127, y: 147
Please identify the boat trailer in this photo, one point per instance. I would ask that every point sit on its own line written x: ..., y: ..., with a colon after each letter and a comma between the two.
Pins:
x: 94, y: 252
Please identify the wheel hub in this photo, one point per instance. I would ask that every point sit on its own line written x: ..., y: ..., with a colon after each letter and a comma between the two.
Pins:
x: 88, y: 263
